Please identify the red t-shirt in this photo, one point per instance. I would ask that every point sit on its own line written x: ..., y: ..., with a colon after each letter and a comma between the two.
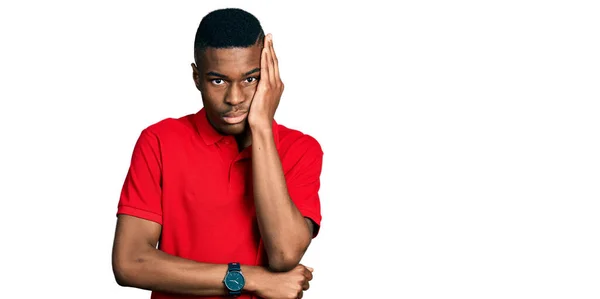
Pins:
x: 194, y: 181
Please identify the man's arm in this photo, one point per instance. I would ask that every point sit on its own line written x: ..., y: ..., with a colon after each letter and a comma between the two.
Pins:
x: 137, y: 263
x: 284, y: 230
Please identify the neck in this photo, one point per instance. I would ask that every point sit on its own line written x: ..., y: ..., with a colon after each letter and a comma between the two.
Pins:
x: 244, y: 139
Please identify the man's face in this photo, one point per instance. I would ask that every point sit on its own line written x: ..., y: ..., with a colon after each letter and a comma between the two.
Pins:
x: 227, y: 80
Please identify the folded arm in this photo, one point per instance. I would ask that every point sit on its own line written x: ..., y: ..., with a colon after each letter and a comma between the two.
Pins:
x: 137, y: 263
x: 286, y: 233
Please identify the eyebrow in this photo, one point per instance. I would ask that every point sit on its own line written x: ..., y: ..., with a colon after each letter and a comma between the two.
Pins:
x: 215, y: 74
x: 252, y: 71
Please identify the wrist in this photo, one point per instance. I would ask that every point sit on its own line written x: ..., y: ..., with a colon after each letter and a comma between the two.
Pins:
x: 259, y: 126
x: 260, y: 135
x: 253, y: 276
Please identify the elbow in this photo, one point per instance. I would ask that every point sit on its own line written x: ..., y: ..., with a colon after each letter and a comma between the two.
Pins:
x: 283, y: 265
x: 284, y: 258
x: 126, y: 270
x: 285, y: 261
x: 122, y: 273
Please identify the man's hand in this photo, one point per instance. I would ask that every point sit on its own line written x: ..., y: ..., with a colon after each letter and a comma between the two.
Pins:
x: 284, y: 285
x: 269, y: 89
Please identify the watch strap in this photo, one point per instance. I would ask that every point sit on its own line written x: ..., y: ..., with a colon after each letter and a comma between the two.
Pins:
x: 234, y: 267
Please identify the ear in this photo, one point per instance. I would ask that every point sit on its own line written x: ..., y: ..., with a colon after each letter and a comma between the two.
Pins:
x: 196, y: 77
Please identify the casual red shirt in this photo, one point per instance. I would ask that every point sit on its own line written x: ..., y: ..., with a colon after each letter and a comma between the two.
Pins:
x: 195, y: 182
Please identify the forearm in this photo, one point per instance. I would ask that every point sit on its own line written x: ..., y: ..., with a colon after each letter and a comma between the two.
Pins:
x: 283, y: 229
x: 156, y: 270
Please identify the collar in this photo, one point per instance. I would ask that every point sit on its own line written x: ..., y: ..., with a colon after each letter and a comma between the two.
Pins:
x: 211, y: 136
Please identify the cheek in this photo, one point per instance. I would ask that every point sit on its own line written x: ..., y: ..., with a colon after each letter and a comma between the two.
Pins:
x: 212, y: 103
x: 249, y: 92
x: 212, y: 95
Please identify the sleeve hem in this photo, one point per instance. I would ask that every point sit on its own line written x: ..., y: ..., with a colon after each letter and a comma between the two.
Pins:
x: 127, y: 210
x: 314, y: 216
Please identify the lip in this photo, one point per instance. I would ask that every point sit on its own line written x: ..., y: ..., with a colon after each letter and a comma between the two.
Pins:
x: 235, y: 118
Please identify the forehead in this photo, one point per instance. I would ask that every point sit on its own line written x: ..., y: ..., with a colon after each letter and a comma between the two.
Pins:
x: 230, y: 61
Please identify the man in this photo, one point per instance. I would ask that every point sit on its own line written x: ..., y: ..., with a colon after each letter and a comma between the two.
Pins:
x: 223, y: 202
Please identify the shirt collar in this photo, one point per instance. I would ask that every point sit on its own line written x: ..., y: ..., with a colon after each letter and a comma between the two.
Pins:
x: 211, y: 136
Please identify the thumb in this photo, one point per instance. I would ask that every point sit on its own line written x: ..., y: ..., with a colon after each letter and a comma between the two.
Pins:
x: 310, y: 269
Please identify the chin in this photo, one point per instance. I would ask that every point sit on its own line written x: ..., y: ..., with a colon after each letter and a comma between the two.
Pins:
x: 233, y: 129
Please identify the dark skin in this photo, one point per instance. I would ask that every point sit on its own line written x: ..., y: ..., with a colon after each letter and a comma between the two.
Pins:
x: 228, y: 83
x: 228, y: 80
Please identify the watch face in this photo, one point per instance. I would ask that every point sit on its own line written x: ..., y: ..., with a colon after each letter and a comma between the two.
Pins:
x: 234, y: 281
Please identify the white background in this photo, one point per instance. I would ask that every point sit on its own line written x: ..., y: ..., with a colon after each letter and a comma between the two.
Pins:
x: 461, y: 139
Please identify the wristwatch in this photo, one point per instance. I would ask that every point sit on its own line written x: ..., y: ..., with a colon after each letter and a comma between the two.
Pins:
x: 234, y: 279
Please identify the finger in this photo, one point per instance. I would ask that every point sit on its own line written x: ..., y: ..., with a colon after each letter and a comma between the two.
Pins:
x: 300, y: 294
x: 308, y: 275
x: 275, y: 61
x: 271, y: 64
x: 264, y: 69
x: 306, y: 286
x: 305, y: 267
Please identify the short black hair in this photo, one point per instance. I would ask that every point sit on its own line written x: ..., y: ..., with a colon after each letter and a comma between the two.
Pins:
x: 227, y: 28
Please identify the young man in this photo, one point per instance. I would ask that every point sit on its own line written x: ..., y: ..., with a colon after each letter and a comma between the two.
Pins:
x: 223, y: 202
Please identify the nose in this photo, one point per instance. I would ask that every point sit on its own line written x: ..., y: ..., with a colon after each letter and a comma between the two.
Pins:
x: 234, y: 95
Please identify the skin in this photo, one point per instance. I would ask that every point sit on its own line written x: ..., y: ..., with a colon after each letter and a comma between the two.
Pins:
x: 228, y: 80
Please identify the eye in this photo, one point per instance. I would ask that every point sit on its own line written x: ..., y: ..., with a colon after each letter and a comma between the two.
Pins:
x: 217, y: 81
x: 251, y: 79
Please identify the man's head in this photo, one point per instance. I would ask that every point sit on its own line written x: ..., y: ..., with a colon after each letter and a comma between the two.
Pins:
x: 227, y: 51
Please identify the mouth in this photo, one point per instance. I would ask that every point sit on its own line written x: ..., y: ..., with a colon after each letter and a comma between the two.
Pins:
x: 235, y: 118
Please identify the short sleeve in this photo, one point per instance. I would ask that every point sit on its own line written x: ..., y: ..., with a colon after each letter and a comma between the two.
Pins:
x: 303, y: 179
x: 141, y: 193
